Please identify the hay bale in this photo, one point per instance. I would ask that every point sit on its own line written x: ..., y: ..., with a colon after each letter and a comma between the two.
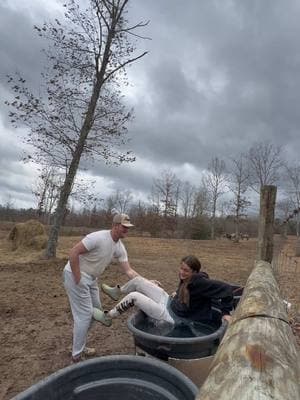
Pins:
x: 30, y: 234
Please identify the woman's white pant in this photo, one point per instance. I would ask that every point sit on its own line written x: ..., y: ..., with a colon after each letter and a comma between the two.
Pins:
x: 145, y: 295
x: 83, y: 297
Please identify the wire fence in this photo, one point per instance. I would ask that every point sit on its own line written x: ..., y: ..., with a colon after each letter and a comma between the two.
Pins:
x: 286, y: 268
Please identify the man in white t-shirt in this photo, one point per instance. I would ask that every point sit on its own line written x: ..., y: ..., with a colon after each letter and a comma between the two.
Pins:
x: 87, y: 260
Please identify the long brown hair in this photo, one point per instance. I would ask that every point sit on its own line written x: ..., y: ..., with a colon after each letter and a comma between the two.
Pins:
x: 192, y: 262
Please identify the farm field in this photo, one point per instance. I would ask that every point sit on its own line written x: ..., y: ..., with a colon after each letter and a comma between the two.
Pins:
x: 36, y: 324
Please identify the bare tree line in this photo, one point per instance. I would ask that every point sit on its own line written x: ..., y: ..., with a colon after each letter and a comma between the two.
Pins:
x: 175, y: 205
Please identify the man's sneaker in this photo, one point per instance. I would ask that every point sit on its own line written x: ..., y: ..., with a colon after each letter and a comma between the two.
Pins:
x: 101, y: 316
x: 77, y: 359
x: 113, y: 292
x: 89, y: 351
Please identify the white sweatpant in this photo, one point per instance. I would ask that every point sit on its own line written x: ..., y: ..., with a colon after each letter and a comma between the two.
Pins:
x: 83, y: 297
x: 146, y: 296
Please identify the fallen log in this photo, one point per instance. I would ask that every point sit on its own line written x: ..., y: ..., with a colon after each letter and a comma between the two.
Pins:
x: 258, y: 357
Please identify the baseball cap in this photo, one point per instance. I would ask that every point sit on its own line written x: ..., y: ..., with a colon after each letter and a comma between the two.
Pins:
x: 122, y: 219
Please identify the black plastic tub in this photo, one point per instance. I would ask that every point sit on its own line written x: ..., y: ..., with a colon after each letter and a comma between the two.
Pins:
x: 114, y: 378
x: 164, y: 346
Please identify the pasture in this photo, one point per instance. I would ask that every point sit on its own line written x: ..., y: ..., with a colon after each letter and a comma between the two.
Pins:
x: 36, y: 324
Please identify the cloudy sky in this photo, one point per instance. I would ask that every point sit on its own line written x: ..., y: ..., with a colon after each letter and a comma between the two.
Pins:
x: 220, y: 75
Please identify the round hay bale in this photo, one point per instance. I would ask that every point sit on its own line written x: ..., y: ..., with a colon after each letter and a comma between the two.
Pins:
x: 28, y: 234
x: 39, y: 242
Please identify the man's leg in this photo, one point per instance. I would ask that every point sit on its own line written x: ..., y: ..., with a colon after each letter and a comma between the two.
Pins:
x: 94, y: 288
x: 82, y: 309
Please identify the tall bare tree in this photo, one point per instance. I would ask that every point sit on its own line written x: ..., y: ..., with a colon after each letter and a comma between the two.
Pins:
x: 167, y: 189
x: 201, y: 201
x: 238, y: 184
x: 265, y: 164
x: 187, y: 196
x: 214, y: 180
x: 81, y: 112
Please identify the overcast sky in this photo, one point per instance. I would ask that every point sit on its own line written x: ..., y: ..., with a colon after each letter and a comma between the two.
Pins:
x: 220, y: 75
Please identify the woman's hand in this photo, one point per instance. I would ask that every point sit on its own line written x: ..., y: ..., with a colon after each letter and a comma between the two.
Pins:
x: 227, y: 318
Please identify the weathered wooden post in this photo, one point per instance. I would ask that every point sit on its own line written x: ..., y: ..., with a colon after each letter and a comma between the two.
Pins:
x: 257, y: 358
x: 266, y: 223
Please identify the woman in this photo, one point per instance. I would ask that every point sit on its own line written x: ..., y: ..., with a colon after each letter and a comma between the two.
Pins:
x: 192, y: 301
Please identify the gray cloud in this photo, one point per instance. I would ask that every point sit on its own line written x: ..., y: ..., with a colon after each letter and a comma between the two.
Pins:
x: 219, y: 76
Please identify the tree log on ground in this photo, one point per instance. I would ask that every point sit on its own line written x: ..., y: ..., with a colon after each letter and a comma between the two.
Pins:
x: 258, y: 356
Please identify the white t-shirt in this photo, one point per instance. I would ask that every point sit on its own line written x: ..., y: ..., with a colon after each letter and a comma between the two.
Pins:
x: 101, y: 251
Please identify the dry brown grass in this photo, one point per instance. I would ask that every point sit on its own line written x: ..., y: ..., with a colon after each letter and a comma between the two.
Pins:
x: 36, y: 324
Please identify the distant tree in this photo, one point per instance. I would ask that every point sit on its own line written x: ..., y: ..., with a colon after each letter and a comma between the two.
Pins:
x: 265, y: 164
x: 80, y: 112
x: 283, y: 210
x: 201, y: 201
x: 48, y: 186
x: 239, y: 181
x: 167, y: 189
x: 214, y: 180
x: 187, y: 196
x: 121, y: 200
x: 292, y: 183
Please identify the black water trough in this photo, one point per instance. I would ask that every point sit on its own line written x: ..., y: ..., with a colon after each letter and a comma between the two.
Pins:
x: 114, y: 378
x: 181, y: 342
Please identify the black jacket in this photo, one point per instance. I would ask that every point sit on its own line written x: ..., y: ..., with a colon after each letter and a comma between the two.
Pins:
x: 204, y: 292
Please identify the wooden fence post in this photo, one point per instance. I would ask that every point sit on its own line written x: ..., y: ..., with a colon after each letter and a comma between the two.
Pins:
x: 266, y: 223
x: 258, y: 357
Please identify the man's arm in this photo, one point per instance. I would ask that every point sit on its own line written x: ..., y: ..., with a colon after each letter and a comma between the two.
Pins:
x: 74, y: 260
x: 126, y: 268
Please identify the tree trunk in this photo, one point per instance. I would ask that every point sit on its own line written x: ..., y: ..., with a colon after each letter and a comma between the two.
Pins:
x: 61, y: 207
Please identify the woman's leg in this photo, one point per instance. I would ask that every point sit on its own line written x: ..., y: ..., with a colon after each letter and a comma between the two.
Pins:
x: 150, y: 307
x: 146, y: 287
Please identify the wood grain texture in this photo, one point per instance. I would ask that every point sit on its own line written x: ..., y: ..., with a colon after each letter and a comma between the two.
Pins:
x: 258, y: 358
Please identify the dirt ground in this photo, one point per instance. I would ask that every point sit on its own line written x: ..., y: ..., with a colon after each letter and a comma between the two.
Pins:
x: 36, y: 324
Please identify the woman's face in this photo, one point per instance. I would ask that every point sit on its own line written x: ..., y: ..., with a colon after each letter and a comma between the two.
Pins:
x: 185, y: 272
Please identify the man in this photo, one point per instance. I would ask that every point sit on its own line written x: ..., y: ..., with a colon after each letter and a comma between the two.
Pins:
x: 87, y: 260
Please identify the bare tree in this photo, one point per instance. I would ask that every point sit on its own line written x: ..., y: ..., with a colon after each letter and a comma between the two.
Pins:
x: 167, y: 189
x: 238, y: 185
x: 200, y: 201
x: 121, y: 200
x: 48, y: 186
x: 293, y: 188
x: 81, y: 112
x: 187, y: 196
x: 265, y: 164
x: 214, y: 180
x: 283, y: 210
